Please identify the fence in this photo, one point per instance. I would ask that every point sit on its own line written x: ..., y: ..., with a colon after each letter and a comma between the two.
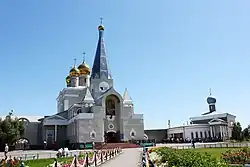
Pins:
x: 98, y: 158
x: 32, y: 155
x: 211, y: 145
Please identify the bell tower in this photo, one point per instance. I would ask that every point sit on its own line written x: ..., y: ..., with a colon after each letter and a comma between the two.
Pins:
x: 101, y: 79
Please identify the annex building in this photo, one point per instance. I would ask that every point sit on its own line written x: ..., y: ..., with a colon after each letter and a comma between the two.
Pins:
x: 213, y: 125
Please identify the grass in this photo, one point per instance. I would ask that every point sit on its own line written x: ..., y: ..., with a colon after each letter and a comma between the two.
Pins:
x: 215, y: 152
x: 47, y: 162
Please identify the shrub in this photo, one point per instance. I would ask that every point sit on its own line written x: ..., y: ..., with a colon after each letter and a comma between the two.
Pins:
x: 187, y: 158
x: 240, y: 156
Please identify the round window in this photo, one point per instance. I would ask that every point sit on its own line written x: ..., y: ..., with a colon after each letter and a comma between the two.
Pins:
x: 111, y: 126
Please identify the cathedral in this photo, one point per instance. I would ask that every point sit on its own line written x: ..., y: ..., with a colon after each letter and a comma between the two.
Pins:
x: 89, y: 109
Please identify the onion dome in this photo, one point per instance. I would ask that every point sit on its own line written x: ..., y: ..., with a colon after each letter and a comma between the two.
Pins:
x: 74, y: 72
x: 211, y: 100
x: 101, y: 27
x: 84, y: 69
x: 68, y: 79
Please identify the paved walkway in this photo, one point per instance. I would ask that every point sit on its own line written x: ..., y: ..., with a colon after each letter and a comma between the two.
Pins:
x: 129, y: 158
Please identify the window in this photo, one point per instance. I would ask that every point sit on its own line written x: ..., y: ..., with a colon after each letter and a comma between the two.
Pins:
x: 196, y: 135
x: 209, y: 133
x: 66, y: 105
x: 110, y: 107
x: 192, y: 135
x: 201, y: 135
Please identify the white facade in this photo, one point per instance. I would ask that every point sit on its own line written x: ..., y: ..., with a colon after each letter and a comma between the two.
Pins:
x: 210, y: 126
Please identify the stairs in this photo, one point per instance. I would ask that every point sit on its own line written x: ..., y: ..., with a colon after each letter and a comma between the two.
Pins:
x: 121, y: 145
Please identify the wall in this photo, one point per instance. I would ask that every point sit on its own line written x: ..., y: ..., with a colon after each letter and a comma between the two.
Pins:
x: 31, y: 131
x: 196, y: 128
x: 138, y: 127
x: 157, y: 134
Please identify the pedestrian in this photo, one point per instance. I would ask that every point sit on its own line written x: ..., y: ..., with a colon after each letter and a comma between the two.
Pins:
x: 93, y: 145
x: 44, y: 144
x: 193, y: 143
x: 6, y: 150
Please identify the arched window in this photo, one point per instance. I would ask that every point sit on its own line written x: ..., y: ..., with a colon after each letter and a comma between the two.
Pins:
x: 196, y: 135
x: 25, y: 121
x: 110, y: 107
x: 192, y: 135
x: 201, y: 135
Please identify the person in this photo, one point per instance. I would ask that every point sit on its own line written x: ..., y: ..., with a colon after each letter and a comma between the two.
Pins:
x: 45, y: 144
x: 6, y: 150
x: 93, y: 145
x: 193, y: 143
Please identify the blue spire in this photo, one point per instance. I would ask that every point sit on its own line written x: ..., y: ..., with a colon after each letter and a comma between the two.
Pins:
x: 100, y: 67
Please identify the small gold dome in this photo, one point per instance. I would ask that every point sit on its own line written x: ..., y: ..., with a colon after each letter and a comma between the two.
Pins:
x: 68, y: 79
x: 74, y: 72
x: 100, y: 27
x: 84, y: 69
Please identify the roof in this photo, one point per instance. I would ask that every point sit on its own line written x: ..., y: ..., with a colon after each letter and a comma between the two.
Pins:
x: 211, y: 116
x: 126, y: 98
x: 100, y: 67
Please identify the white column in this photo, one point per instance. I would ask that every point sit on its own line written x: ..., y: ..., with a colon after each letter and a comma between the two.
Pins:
x: 221, y: 131
x: 211, y: 131
x: 55, y: 132
x: 214, y: 130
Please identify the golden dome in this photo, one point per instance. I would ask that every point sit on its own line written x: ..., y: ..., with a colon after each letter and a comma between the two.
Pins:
x: 84, y: 69
x: 101, y: 27
x: 74, y: 72
x: 68, y: 79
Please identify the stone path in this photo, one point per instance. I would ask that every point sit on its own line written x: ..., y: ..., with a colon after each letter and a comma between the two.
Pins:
x: 129, y: 158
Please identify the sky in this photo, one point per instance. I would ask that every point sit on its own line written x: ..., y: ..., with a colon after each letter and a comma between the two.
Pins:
x: 168, y: 54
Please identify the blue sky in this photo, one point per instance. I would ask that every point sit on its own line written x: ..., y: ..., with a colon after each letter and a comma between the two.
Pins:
x: 167, y: 53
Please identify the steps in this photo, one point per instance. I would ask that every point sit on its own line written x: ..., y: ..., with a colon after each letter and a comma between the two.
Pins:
x: 121, y: 145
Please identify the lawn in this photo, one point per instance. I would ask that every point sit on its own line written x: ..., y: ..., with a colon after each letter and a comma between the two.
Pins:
x: 45, y: 162
x: 215, y: 152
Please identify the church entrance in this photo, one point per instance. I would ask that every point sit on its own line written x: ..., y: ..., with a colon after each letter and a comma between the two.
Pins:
x: 111, y: 137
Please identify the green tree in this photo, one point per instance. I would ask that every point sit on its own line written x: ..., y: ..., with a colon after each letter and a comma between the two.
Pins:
x: 237, y: 131
x: 245, y: 132
x: 11, y: 129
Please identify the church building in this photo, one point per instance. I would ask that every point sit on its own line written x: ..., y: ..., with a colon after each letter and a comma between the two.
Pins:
x: 89, y: 109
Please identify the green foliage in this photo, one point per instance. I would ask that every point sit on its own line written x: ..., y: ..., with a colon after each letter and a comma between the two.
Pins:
x: 245, y: 133
x: 237, y: 132
x: 188, y: 158
x: 11, y: 129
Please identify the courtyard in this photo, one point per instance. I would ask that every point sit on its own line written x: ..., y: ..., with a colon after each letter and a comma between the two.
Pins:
x: 37, y: 158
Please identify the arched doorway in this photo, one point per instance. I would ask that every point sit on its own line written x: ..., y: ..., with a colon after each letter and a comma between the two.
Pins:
x: 112, y: 110
x: 111, y: 137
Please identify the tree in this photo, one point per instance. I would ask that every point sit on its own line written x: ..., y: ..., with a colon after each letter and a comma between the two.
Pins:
x: 245, y: 132
x: 237, y: 131
x: 11, y: 129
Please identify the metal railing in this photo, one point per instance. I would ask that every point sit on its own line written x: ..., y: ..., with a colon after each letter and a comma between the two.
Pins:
x: 211, y: 145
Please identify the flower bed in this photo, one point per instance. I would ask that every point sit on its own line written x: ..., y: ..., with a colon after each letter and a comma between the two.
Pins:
x: 239, y: 156
x: 167, y: 157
